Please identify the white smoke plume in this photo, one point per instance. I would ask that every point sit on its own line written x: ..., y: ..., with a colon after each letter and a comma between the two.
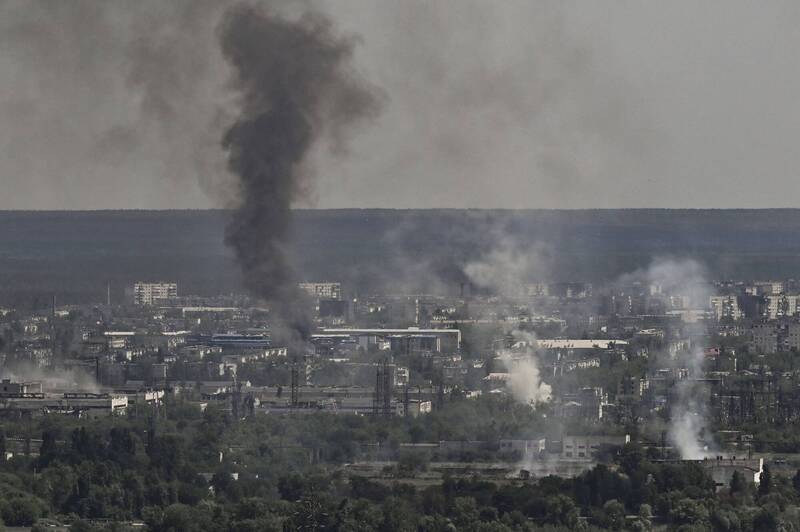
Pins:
x: 685, y: 430
x: 683, y: 280
x: 504, y: 270
x: 507, y: 267
x: 522, y: 364
x: 686, y: 280
x: 52, y: 379
x: 688, y: 417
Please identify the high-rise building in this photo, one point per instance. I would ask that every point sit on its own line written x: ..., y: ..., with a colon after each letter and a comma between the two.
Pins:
x: 726, y: 307
x: 154, y: 293
x: 765, y: 338
x: 782, y: 306
x: 323, y: 290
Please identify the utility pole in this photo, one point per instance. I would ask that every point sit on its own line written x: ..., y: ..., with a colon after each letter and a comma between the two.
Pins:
x: 295, y: 395
x: 387, y: 390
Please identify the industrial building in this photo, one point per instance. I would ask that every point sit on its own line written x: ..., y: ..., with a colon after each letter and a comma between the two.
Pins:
x: 407, y: 340
x: 73, y: 403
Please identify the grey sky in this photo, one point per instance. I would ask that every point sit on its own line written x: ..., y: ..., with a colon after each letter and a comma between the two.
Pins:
x: 489, y: 104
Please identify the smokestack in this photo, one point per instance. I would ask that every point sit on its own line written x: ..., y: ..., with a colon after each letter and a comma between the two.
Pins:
x: 296, y: 87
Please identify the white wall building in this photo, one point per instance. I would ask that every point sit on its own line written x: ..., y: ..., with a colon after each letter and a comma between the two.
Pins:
x: 782, y: 305
x: 726, y: 308
x: 154, y: 293
x: 323, y: 290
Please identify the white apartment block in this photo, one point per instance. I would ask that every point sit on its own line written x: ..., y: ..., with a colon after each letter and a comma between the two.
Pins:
x: 781, y: 306
x: 726, y: 308
x: 765, y: 288
x: 154, y: 293
x: 538, y: 290
x: 323, y: 290
x: 793, y: 336
x: 765, y: 338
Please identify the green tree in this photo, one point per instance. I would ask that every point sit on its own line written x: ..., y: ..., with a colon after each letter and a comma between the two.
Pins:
x: 178, y: 518
x: 561, y: 510
x: 630, y: 458
x: 22, y: 511
x: 643, y: 521
x: 689, y: 512
x: 397, y: 516
x: 310, y: 515
x: 613, y: 515
x: 737, y: 483
x: 765, y: 484
x: 465, y: 511
x: 436, y: 523
x: 724, y: 520
x: 766, y: 521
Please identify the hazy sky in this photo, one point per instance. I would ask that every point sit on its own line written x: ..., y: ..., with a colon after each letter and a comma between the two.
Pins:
x: 486, y: 104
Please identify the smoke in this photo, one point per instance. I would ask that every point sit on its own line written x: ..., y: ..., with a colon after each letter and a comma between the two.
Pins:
x: 506, y: 267
x: 296, y: 88
x: 689, y: 415
x: 125, y: 98
x: 483, y: 251
x: 687, y: 425
x: 522, y: 365
x: 684, y: 280
x: 61, y: 379
x: 684, y: 283
x: 111, y: 100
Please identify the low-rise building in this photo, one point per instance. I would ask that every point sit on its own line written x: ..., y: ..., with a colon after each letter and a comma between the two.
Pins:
x: 588, y: 447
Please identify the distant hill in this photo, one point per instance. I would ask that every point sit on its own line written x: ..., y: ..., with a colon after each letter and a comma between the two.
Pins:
x: 74, y: 254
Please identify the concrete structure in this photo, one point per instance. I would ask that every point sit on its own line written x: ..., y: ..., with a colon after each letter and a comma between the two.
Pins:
x: 793, y: 336
x: 209, y: 310
x: 587, y: 447
x: 765, y: 338
x: 417, y: 407
x: 765, y: 288
x: 579, y: 345
x: 118, y: 339
x: 439, y: 340
x: 10, y: 389
x: 154, y: 293
x: 528, y: 449
x: 323, y: 290
x: 586, y: 404
x: 721, y: 469
x: 726, y: 308
x: 242, y: 341
x: 782, y: 306
x: 538, y: 290
x: 71, y: 403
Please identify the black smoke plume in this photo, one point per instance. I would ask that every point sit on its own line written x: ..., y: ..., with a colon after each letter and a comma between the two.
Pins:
x: 296, y: 87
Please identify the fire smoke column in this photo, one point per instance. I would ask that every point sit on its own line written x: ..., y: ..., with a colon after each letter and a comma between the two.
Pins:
x: 296, y: 87
x: 689, y: 416
x: 522, y: 365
